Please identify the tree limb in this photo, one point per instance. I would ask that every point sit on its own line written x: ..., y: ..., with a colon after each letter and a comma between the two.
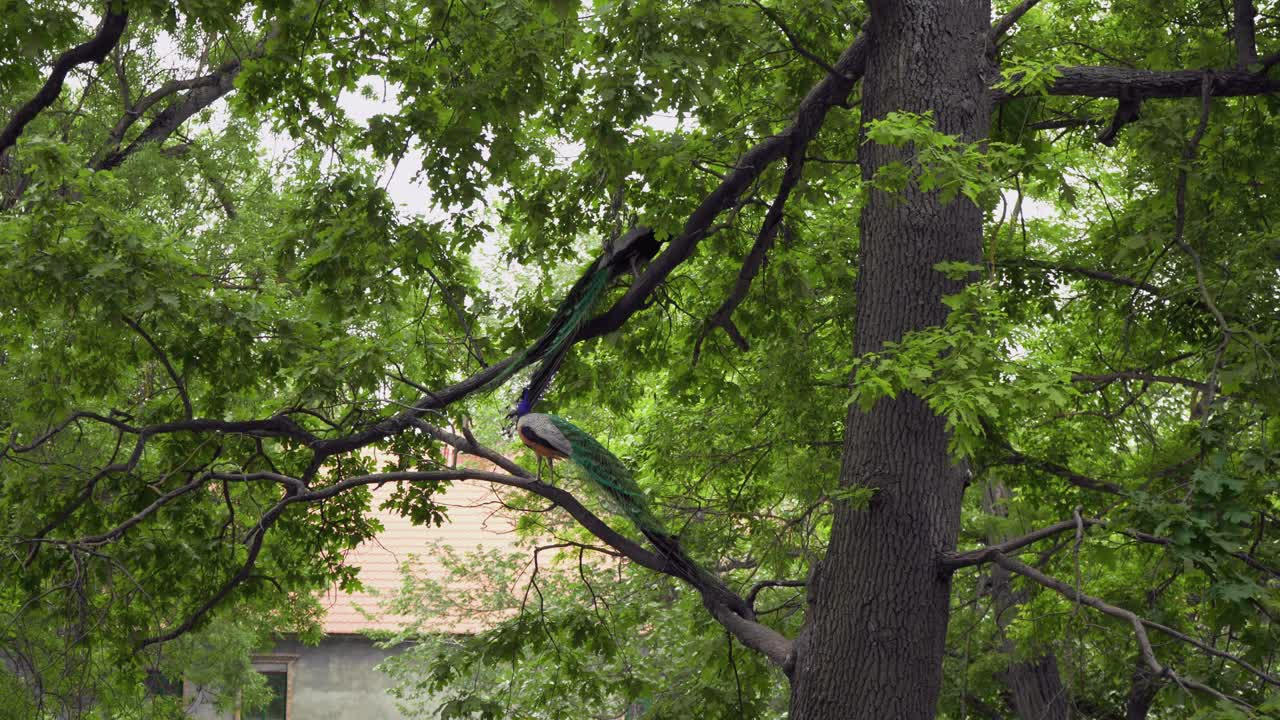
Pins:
x: 723, y: 316
x: 756, y: 588
x: 1106, y: 81
x: 832, y: 90
x: 723, y: 603
x: 1208, y: 83
x: 201, y: 93
x: 1091, y: 273
x: 793, y: 40
x: 164, y: 360
x: 1075, y: 478
x: 1006, y: 23
x: 1139, y: 628
x: 954, y: 561
x: 1143, y: 375
x: 132, y: 113
x: 95, y: 49
x: 731, y: 610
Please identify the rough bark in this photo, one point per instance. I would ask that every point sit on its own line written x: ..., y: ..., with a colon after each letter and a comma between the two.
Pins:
x: 874, y: 644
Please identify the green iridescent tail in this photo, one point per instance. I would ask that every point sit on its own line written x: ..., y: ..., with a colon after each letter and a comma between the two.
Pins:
x: 551, y: 347
x: 581, y: 300
x: 607, y: 473
x: 574, y: 310
x: 614, y: 479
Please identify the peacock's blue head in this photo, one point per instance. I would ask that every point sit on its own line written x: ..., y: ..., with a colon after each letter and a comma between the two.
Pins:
x: 525, y: 405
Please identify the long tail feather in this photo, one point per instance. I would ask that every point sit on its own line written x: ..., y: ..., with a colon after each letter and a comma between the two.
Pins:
x: 609, y: 475
x: 553, y: 346
x: 636, y: 247
x: 670, y: 548
x: 573, y: 310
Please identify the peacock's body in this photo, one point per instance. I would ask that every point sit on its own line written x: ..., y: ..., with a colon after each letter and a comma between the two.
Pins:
x: 553, y: 437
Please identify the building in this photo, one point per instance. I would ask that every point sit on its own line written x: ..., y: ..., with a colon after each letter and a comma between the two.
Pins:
x: 338, y: 679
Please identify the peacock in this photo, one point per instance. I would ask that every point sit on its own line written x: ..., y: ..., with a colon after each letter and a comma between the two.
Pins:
x: 626, y: 254
x: 552, y: 437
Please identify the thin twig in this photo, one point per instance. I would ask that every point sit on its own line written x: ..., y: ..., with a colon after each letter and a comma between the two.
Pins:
x: 189, y: 413
x: 795, y: 42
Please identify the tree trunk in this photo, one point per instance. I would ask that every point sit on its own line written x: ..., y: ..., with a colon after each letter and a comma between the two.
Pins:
x: 877, y: 623
x: 1143, y: 688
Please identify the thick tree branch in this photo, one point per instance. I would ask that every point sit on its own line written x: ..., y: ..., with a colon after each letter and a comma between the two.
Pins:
x: 131, y: 114
x: 95, y: 49
x: 833, y: 90
x: 731, y: 610
x: 1104, y: 81
x: 200, y: 93
x: 722, y: 602
x: 1006, y: 23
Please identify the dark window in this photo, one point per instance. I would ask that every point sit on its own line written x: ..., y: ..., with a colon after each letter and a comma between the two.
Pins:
x: 278, y: 683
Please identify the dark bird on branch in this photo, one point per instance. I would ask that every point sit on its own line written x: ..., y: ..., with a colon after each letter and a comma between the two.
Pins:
x: 624, y: 255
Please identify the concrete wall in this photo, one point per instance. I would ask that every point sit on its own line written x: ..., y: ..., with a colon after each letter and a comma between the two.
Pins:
x: 334, y: 680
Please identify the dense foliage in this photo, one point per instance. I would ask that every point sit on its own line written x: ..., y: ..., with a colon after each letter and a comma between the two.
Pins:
x: 209, y: 301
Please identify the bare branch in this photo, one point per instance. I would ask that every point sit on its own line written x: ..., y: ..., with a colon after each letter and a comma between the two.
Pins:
x: 954, y: 561
x: 1139, y: 628
x: 168, y: 366
x: 1144, y: 376
x: 1091, y: 273
x: 756, y: 588
x: 1179, y: 238
x: 793, y: 40
x: 1075, y: 478
x: 95, y: 49
x: 723, y: 316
